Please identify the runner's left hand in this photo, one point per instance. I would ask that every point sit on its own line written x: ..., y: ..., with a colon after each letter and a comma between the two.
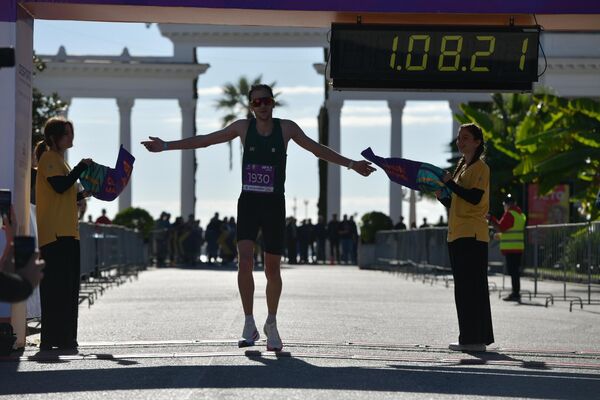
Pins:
x: 155, y: 144
x: 363, y: 167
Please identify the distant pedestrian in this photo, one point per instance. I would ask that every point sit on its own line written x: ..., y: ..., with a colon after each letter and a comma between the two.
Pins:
x: 346, y: 239
x: 321, y: 238
x: 333, y: 234
x: 512, y: 242
x: 400, y: 225
x: 103, y: 219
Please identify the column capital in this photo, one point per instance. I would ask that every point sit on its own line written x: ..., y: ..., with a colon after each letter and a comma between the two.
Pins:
x: 334, y: 105
x: 125, y: 103
x: 187, y: 105
x: 396, y: 104
x: 455, y: 105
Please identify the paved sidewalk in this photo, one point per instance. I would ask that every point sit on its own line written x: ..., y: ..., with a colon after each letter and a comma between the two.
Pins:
x: 348, y: 333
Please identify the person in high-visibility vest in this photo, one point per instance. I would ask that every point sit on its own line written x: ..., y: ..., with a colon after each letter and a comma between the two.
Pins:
x: 511, y: 229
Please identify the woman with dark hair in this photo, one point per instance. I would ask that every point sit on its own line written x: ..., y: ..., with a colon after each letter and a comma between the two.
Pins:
x: 58, y: 235
x: 468, y: 238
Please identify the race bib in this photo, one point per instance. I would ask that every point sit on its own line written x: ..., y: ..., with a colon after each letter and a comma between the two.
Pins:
x: 258, y: 178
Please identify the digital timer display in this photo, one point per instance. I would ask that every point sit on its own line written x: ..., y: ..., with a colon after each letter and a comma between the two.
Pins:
x: 434, y: 57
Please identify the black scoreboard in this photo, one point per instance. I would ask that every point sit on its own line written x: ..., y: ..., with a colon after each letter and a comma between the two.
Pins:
x: 458, y: 58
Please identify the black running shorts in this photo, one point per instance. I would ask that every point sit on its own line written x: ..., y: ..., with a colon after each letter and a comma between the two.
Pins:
x: 262, y: 211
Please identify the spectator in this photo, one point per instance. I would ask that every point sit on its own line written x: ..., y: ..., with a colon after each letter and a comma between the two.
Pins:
x: 213, y: 230
x: 400, y: 225
x: 311, y: 241
x: 346, y: 239
x: 424, y: 224
x: 441, y: 222
x: 291, y: 237
x: 57, y: 223
x: 103, y: 219
x: 333, y: 235
x: 321, y: 237
x: 303, y: 239
x: 355, y: 236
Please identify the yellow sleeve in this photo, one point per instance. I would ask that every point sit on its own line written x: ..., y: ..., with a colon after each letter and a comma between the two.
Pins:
x: 480, y: 176
x: 50, y: 165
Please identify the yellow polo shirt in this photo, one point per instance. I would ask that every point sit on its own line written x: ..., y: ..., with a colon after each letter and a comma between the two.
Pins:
x: 56, y: 212
x: 466, y: 220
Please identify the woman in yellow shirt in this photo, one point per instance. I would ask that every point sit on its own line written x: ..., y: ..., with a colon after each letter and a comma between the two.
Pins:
x: 468, y: 238
x: 58, y: 236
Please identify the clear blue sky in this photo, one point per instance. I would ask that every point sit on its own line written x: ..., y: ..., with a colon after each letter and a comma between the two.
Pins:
x: 156, y: 185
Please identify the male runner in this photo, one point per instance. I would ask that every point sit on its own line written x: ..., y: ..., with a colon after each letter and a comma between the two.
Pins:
x: 261, y: 204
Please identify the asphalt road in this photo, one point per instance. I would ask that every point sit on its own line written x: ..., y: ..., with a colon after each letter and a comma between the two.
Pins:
x: 348, y: 333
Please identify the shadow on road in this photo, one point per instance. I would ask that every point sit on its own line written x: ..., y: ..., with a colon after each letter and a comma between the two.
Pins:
x: 295, y: 373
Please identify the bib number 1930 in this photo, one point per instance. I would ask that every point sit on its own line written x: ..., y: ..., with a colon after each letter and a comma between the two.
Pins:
x: 258, y: 178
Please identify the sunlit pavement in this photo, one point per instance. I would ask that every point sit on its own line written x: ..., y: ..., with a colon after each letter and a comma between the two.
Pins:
x: 348, y: 333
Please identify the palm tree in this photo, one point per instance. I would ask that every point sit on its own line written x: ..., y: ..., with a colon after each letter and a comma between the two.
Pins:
x: 559, y: 141
x: 235, y: 102
x: 544, y: 139
x: 499, y: 121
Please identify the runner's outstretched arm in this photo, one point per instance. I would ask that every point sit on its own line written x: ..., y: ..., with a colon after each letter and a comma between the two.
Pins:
x: 230, y: 132
x: 362, y: 167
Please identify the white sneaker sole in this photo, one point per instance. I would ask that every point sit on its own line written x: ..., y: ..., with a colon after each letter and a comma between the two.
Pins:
x: 249, y: 342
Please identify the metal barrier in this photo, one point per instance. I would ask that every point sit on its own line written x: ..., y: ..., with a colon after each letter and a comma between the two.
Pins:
x: 110, y: 255
x: 568, y: 253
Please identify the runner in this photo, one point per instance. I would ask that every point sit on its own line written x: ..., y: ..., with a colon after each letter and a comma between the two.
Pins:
x: 261, y: 204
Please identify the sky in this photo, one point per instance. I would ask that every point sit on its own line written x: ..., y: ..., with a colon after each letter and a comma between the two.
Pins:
x: 427, y: 126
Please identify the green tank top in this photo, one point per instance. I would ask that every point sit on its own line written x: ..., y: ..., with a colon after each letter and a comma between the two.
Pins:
x: 264, y: 159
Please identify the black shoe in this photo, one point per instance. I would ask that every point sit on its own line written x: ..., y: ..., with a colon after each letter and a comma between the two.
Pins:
x: 67, y: 350
x: 513, y: 297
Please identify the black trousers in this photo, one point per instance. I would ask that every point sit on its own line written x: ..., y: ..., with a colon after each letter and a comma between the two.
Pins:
x: 513, y: 267
x: 59, y: 292
x: 469, y: 260
x: 334, y: 246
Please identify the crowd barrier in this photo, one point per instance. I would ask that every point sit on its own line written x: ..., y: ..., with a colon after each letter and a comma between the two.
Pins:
x: 568, y: 254
x: 110, y: 255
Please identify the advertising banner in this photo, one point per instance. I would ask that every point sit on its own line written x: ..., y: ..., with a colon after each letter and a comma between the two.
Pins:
x: 552, y: 208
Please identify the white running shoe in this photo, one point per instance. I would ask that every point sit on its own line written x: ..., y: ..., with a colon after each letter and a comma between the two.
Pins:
x: 273, y: 340
x: 249, y: 335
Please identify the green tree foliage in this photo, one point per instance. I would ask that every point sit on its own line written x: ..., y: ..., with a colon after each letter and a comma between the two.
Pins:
x: 540, y: 138
x: 235, y: 102
x: 43, y: 107
x: 135, y: 218
x: 373, y: 222
x: 499, y: 121
x: 559, y: 142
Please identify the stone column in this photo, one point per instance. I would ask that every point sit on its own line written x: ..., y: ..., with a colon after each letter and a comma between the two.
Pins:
x: 65, y: 114
x: 125, y: 105
x: 396, y: 109
x: 334, y: 184
x: 454, y: 109
x: 412, y: 209
x: 188, y: 183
